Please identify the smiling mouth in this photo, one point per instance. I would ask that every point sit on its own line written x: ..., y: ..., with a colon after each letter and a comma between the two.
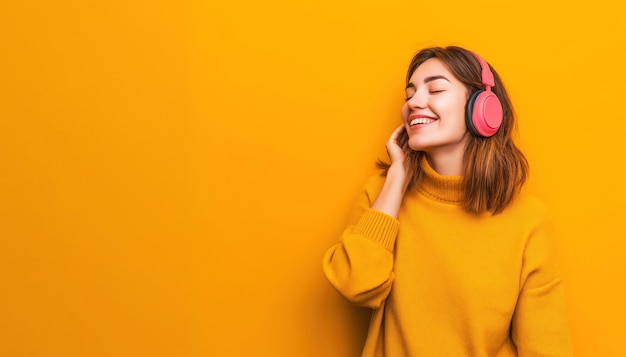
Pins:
x: 421, y: 121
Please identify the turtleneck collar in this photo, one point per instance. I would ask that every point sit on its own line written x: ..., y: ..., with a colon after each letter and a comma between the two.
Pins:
x: 439, y: 187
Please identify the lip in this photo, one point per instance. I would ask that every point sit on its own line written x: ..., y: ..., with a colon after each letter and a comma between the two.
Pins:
x: 416, y: 116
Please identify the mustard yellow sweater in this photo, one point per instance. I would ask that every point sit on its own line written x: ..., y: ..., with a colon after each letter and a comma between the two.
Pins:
x: 443, y: 282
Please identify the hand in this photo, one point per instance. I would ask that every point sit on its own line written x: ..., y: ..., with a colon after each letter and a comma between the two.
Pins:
x: 397, y: 145
x: 391, y: 194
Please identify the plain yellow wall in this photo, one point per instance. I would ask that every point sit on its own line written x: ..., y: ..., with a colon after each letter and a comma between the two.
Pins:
x: 172, y: 172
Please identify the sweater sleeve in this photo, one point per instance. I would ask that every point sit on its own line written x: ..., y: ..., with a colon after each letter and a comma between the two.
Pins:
x: 360, y: 265
x: 539, y: 326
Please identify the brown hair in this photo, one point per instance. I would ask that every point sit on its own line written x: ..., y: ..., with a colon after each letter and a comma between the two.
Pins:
x: 494, y: 168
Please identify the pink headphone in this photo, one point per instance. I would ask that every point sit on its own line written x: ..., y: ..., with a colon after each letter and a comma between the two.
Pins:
x: 483, y: 115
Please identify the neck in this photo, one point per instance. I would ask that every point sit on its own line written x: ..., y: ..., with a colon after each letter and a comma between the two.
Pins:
x: 447, y: 160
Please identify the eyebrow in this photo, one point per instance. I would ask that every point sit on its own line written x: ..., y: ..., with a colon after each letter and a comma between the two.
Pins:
x: 426, y: 80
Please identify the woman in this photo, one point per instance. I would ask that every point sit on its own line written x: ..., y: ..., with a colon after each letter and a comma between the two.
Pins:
x: 454, y: 259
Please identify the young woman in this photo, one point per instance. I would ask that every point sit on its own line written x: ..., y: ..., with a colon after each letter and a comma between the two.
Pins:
x: 454, y: 259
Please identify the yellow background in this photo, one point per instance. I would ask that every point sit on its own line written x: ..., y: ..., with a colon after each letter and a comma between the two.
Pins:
x: 171, y: 173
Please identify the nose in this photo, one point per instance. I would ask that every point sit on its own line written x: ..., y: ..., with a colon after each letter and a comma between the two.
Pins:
x: 418, y: 100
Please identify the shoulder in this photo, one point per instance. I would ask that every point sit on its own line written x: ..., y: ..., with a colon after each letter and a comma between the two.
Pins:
x: 530, y: 204
x: 373, y: 184
x: 528, y: 208
x: 368, y: 193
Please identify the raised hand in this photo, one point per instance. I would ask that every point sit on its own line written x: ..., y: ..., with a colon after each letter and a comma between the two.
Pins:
x: 390, y: 197
x: 397, y: 145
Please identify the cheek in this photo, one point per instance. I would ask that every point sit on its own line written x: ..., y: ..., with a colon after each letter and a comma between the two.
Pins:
x: 405, y: 111
x: 454, y: 111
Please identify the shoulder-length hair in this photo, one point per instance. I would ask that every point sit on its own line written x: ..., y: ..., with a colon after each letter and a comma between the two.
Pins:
x: 494, y: 169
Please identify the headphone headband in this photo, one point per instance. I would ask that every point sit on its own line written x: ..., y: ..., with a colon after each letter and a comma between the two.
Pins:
x: 486, y: 75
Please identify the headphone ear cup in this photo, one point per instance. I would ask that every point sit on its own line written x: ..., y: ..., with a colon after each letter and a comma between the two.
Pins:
x: 483, y: 115
x: 469, y: 109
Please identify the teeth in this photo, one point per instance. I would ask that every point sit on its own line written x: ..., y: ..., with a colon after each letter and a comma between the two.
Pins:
x: 421, y: 121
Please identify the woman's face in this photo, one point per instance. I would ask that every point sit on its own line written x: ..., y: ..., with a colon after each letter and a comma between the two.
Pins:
x: 434, y: 113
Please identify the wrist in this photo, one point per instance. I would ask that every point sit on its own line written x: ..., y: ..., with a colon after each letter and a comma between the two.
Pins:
x: 397, y: 171
x: 391, y: 194
x: 395, y: 179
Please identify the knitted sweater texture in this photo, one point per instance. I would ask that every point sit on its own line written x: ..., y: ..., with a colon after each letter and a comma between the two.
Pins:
x: 443, y: 282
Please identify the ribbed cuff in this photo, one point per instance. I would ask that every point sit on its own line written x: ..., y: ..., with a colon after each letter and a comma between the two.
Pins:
x: 379, y: 227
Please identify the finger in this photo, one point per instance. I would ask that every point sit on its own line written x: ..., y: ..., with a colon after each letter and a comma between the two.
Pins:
x: 393, y: 138
x: 400, y: 137
x: 396, y: 134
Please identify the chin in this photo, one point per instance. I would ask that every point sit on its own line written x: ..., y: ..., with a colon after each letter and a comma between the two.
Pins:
x: 416, y: 145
